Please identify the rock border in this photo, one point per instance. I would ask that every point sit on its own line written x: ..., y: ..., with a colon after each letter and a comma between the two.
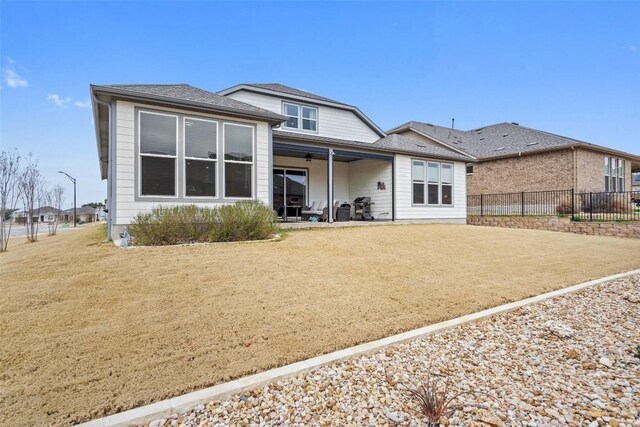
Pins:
x: 275, y: 237
x: 222, y: 391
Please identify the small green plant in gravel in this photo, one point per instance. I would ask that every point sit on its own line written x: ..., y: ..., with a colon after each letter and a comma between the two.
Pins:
x: 435, y: 398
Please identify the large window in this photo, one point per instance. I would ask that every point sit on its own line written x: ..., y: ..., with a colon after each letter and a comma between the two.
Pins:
x: 432, y: 183
x: 300, y: 117
x: 158, y: 154
x: 613, y: 174
x: 200, y: 157
x: 238, y: 160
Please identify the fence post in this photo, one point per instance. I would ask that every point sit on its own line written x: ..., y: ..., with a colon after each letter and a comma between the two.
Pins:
x: 573, y: 207
x: 590, y: 207
x: 522, y: 203
x: 481, y: 204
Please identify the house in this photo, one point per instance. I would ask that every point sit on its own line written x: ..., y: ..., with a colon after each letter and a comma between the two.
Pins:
x: 44, y: 214
x: 84, y: 213
x: 162, y: 145
x: 513, y: 158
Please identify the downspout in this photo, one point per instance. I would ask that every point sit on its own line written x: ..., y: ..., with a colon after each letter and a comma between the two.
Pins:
x: 575, y: 168
x: 109, y: 166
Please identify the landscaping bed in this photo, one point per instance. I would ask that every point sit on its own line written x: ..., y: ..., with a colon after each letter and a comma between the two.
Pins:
x: 88, y: 329
x: 572, y: 360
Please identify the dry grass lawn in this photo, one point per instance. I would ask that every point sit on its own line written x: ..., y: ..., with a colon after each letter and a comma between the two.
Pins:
x: 88, y: 329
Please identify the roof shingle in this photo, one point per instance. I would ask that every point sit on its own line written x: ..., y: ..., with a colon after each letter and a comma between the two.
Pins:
x: 192, y: 95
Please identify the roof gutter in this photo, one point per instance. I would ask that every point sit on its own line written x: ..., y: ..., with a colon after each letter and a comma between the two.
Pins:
x: 338, y: 145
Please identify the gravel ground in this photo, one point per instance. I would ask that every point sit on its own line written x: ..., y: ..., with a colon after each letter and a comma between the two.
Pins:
x: 567, y: 361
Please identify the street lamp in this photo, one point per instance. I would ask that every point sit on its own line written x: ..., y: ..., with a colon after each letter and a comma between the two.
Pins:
x: 74, y: 195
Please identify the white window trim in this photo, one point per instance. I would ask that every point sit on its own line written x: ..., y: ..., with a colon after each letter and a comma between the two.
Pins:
x: 166, y: 156
x: 615, y: 176
x: 417, y: 181
x: 185, y: 157
x: 300, y: 117
x: 252, y: 162
x: 440, y: 184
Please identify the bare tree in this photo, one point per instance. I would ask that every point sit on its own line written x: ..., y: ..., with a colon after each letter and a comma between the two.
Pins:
x: 9, y: 193
x: 32, y: 192
x: 54, y: 199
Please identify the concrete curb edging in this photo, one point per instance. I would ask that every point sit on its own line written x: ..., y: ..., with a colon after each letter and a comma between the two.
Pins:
x: 222, y: 391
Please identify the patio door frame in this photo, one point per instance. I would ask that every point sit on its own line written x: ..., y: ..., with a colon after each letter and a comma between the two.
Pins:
x: 284, y: 185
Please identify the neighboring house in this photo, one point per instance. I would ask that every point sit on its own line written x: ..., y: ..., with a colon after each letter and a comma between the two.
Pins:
x: 635, y: 181
x: 162, y: 145
x: 43, y: 214
x: 84, y: 213
x: 514, y: 158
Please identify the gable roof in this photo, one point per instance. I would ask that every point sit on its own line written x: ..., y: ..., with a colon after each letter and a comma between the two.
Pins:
x: 184, y: 94
x: 278, y: 87
x: 499, y: 140
x: 294, y: 94
x: 175, y: 95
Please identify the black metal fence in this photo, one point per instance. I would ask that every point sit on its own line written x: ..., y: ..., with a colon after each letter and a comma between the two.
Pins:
x: 623, y: 206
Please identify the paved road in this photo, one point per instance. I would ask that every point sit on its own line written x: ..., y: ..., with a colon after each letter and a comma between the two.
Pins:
x: 19, y: 230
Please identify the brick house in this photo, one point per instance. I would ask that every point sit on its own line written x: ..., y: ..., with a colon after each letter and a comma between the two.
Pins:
x: 513, y: 158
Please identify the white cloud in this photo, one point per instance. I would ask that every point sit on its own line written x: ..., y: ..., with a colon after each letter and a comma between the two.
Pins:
x: 10, y: 75
x: 80, y: 104
x: 58, y: 100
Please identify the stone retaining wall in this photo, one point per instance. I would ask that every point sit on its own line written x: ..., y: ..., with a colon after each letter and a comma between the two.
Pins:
x: 617, y: 229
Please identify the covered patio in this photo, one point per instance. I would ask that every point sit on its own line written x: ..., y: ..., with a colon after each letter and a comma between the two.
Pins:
x: 304, y: 173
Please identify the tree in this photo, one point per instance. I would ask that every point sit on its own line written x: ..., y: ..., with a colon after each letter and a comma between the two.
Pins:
x: 54, y: 199
x: 32, y: 192
x: 9, y: 193
x: 93, y: 205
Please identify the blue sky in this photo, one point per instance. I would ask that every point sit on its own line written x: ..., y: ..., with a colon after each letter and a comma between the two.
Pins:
x: 570, y: 68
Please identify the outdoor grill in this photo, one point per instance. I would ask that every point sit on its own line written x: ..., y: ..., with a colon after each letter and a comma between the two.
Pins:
x: 362, y: 207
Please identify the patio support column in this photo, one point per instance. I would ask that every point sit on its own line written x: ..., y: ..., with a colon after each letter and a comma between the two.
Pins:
x: 330, y: 186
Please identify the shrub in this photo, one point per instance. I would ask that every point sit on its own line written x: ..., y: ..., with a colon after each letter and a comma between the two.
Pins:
x: 606, y: 203
x: 564, y: 207
x: 247, y: 220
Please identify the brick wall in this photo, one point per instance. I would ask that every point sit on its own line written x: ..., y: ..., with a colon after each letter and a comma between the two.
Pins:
x: 617, y: 229
x: 591, y: 171
x: 535, y: 172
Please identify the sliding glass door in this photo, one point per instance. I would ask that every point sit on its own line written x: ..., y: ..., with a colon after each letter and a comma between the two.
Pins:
x: 289, y: 191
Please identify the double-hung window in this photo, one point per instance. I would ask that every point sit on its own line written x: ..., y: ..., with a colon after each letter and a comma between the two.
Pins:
x: 432, y: 183
x: 446, y: 183
x: 433, y: 187
x: 300, y: 117
x: 200, y: 157
x: 418, y: 179
x: 238, y: 160
x: 613, y: 174
x: 158, y: 135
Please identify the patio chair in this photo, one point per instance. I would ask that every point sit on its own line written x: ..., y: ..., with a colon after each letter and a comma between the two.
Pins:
x: 315, y: 209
